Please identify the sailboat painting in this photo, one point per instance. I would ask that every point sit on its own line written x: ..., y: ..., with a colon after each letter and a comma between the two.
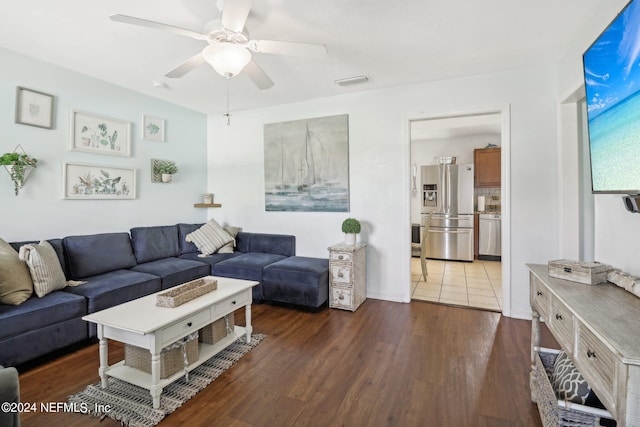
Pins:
x: 306, y: 165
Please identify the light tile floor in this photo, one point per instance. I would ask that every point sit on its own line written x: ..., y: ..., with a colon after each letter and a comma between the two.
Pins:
x: 475, y: 284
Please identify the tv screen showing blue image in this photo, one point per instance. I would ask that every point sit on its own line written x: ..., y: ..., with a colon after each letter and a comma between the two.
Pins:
x: 612, y: 83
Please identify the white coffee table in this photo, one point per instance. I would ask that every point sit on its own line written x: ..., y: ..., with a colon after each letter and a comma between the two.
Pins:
x: 143, y: 324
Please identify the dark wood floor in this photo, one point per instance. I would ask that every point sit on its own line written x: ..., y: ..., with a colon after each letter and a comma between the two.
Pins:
x: 387, y: 364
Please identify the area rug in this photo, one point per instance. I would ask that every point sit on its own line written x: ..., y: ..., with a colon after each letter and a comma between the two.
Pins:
x: 133, y: 406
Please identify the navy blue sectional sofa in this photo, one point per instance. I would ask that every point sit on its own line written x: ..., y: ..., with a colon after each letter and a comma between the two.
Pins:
x: 119, y: 267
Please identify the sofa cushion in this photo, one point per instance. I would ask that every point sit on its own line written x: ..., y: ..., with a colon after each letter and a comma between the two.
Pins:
x: 210, y: 260
x: 174, y: 271
x: 95, y: 254
x: 183, y: 230
x: 152, y: 243
x: 297, y: 280
x: 15, y: 281
x: 209, y: 238
x: 280, y: 244
x: 44, y: 266
x: 115, y: 287
x: 41, y: 341
x: 36, y: 313
x: 246, y: 266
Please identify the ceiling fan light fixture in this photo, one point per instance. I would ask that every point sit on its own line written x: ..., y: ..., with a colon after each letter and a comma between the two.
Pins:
x: 228, y: 59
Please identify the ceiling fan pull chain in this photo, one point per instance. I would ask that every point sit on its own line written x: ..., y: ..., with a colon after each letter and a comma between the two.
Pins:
x: 228, y: 115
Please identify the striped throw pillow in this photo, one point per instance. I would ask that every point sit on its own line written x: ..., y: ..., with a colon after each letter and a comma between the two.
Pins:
x: 44, y: 266
x: 209, y: 238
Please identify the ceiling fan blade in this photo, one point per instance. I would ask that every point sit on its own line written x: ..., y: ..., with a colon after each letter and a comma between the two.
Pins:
x: 158, y: 26
x: 288, y: 48
x: 185, y: 67
x: 235, y: 14
x: 257, y: 75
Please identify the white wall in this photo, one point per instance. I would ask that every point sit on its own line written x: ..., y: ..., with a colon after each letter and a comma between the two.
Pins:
x: 613, y: 224
x: 39, y: 212
x: 380, y: 171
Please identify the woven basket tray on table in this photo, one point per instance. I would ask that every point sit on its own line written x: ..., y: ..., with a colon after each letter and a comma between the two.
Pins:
x: 554, y: 412
x: 186, y: 292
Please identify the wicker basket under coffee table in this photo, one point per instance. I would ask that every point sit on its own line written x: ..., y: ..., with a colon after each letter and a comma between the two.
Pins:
x: 143, y: 324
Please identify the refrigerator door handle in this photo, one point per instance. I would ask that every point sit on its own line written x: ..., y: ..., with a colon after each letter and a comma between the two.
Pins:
x: 447, y: 177
x: 449, y: 231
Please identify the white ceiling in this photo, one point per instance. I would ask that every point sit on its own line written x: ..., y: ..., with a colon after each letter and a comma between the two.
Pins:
x: 393, y: 42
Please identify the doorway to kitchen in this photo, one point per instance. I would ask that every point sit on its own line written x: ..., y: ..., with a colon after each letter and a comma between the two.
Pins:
x: 461, y: 241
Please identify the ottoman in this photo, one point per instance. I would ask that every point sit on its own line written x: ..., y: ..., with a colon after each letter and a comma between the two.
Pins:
x: 297, y: 280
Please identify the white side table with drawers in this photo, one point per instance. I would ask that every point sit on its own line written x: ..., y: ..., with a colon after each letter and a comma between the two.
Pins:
x: 347, y: 276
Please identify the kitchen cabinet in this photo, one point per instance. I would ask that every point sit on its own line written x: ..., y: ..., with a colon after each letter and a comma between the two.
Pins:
x: 487, y: 167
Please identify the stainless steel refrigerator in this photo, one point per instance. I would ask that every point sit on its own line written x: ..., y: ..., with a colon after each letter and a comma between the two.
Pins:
x: 447, y: 192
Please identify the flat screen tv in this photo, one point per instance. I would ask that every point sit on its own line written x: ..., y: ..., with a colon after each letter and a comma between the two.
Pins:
x: 612, y: 83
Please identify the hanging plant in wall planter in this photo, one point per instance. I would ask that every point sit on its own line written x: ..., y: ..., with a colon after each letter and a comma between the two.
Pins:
x: 165, y: 168
x: 19, y: 166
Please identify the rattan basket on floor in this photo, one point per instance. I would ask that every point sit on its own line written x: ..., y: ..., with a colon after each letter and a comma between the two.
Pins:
x: 172, y: 358
x: 554, y: 412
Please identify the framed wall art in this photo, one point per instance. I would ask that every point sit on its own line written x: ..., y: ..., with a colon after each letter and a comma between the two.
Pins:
x: 34, y: 108
x: 153, y: 128
x: 306, y: 165
x: 93, y: 133
x: 85, y: 181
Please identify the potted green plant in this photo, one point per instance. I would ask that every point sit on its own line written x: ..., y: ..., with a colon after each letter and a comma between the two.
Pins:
x: 166, y: 168
x: 350, y: 227
x: 19, y: 167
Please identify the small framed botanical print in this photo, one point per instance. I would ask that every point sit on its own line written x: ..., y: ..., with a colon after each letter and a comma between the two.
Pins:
x: 34, y: 108
x: 153, y: 128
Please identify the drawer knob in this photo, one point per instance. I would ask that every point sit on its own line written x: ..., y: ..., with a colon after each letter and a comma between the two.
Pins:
x: 559, y: 317
x: 539, y: 293
x: 189, y: 324
x: 340, y: 274
x: 591, y: 354
x: 233, y: 302
x: 340, y: 256
x: 341, y: 296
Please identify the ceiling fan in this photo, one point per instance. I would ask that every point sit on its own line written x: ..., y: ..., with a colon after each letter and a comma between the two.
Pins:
x: 229, y: 46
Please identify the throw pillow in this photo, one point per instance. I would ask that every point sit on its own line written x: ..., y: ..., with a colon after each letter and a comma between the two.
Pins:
x: 229, y: 248
x: 209, y: 238
x: 44, y: 265
x: 568, y: 382
x: 15, y: 281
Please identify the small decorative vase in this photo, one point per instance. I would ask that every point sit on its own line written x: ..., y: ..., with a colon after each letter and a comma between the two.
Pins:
x: 167, y: 177
x: 350, y: 238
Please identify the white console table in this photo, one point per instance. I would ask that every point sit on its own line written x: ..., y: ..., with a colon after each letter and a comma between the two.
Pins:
x: 599, y: 326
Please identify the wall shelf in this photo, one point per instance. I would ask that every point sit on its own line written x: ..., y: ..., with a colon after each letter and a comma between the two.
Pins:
x: 207, y: 205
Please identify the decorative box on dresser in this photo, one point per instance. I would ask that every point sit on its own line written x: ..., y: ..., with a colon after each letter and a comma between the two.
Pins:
x: 599, y: 326
x: 347, y: 276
